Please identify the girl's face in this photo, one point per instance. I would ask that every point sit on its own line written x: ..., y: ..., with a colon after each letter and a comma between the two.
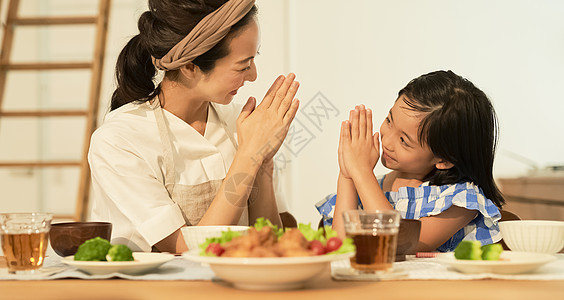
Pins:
x: 401, y: 149
x: 231, y: 71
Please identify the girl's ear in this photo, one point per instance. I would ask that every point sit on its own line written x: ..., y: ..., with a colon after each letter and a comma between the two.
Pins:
x: 443, y: 164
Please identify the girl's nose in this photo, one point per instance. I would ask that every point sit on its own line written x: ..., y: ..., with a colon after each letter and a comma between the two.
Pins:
x: 384, y: 140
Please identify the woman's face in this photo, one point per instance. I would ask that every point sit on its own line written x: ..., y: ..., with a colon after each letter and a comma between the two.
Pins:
x: 231, y: 71
x: 401, y: 149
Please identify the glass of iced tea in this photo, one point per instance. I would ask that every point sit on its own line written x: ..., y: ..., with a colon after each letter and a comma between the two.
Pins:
x: 24, y: 240
x: 375, y: 235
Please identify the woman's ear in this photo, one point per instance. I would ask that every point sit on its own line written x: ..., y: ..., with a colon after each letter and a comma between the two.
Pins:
x: 443, y: 164
x: 189, y: 71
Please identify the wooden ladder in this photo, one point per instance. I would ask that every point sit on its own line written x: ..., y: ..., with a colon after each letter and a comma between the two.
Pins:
x: 91, y: 113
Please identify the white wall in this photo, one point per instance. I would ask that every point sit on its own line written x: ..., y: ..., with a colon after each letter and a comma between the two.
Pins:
x: 363, y: 52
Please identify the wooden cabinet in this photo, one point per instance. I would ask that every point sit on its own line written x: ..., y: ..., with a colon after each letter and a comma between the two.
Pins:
x: 534, y: 198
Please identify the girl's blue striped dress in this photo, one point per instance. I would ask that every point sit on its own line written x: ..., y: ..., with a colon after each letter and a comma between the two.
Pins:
x: 429, y: 200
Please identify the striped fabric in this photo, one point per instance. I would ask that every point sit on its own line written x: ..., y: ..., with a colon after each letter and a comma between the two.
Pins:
x: 426, y: 200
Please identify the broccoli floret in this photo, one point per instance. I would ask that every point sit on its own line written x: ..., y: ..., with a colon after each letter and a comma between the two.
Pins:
x: 491, y: 252
x: 119, y: 253
x: 93, y: 250
x: 468, y: 250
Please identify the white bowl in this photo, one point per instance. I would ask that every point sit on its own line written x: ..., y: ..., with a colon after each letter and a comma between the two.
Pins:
x: 533, y: 235
x: 268, y: 273
x: 196, y: 235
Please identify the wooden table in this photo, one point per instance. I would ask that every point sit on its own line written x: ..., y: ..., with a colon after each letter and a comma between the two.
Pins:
x: 322, y: 288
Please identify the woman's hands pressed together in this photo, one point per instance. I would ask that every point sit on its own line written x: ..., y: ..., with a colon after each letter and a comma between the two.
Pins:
x: 260, y: 133
x: 359, y: 148
x: 262, y: 130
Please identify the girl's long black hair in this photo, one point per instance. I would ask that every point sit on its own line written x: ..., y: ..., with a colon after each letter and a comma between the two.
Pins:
x: 460, y: 126
x: 160, y: 28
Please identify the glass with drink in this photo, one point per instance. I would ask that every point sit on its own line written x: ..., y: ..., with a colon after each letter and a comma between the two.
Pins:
x: 24, y: 240
x: 375, y: 236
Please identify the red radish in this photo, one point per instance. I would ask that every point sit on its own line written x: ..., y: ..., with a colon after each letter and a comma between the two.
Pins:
x: 215, y: 248
x: 333, y: 244
x: 317, y: 247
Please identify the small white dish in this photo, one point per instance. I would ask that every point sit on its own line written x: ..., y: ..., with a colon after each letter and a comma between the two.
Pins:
x: 143, y: 262
x: 512, y: 262
x: 267, y: 273
x: 540, y: 236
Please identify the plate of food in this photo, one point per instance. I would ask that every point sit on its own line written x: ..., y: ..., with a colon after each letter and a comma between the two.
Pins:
x: 97, y: 257
x: 471, y: 257
x: 142, y: 263
x: 268, y: 258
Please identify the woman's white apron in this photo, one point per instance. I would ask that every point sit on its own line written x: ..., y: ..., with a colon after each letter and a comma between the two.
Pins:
x: 193, y: 200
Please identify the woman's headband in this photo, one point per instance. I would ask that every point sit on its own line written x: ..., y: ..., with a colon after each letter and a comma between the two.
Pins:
x: 207, y: 33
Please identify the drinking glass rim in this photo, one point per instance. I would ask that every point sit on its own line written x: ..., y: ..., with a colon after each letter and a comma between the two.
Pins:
x: 28, y: 214
x: 369, y: 212
x: 36, y: 222
x: 377, y: 219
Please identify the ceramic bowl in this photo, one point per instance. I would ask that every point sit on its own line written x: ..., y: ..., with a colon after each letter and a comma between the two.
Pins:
x: 533, y: 235
x: 196, y: 235
x: 408, y: 238
x: 66, y: 237
x: 268, y: 273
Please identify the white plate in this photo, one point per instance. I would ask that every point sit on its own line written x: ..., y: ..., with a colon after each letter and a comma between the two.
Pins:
x: 143, y: 262
x: 512, y: 262
x: 267, y: 273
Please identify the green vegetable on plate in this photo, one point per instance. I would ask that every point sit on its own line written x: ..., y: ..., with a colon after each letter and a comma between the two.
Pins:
x: 99, y: 249
x: 328, y: 238
x: 262, y: 222
x: 473, y: 250
x: 119, y: 253
x: 93, y: 250
x: 491, y: 252
x: 226, y: 236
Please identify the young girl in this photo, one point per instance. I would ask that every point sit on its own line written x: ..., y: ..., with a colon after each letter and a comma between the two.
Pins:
x: 439, y: 139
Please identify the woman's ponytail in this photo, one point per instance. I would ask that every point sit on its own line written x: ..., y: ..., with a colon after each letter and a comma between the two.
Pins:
x: 134, y: 74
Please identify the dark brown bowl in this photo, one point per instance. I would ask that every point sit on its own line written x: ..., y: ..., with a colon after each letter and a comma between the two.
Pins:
x: 408, y: 238
x: 66, y: 237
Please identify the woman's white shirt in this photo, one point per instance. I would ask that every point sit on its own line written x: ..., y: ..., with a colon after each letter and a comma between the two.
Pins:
x: 128, y: 175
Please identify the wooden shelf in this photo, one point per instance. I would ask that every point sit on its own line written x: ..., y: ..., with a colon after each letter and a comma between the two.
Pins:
x: 46, y: 66
x: 533, y: 189
x: 39, y: 164
x: 534, y: 198
x: 44, y: 113
x: 40, y: 21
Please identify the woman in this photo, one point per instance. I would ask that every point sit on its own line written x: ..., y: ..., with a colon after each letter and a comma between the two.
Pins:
x: 168, y: 156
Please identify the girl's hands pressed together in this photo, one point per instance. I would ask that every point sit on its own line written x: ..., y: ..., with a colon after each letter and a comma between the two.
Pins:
x: 262, y: 130
x: 359, y: 151
x: 359, y: 148
x: 342, y: 166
